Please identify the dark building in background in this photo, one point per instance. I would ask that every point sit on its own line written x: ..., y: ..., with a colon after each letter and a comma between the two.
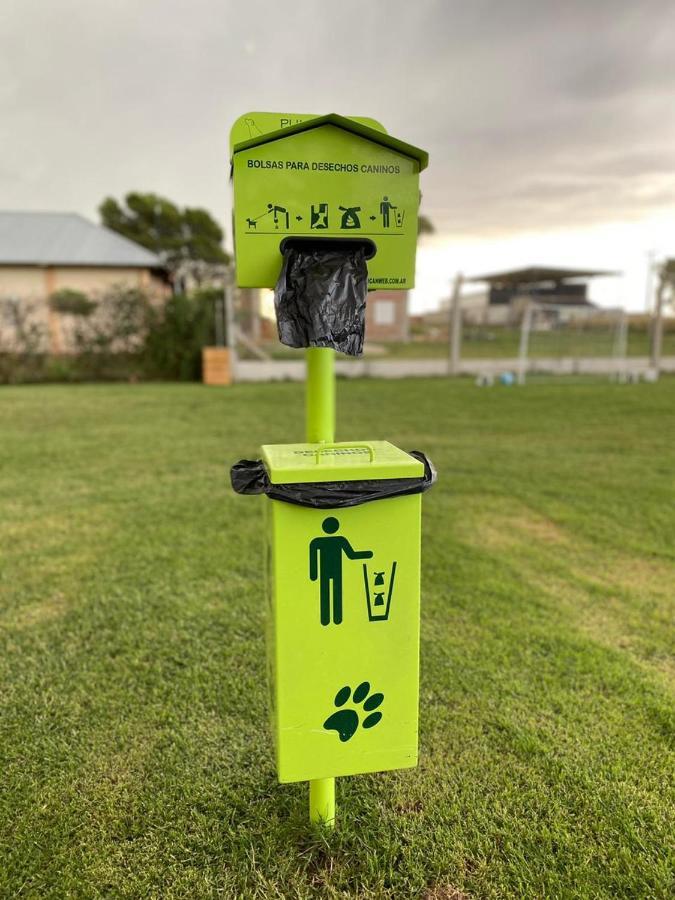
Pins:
x: 563, y: 291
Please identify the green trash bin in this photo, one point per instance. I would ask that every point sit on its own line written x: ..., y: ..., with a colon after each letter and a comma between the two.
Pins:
x: 343, y: 587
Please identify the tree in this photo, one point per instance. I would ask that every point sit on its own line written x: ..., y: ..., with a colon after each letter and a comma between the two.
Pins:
x: 667, y: 278
x: 180, y: 237
x: 665, y: 293
x: 424, y: 226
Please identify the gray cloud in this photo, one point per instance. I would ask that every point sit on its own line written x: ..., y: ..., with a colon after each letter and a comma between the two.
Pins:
x: 536, y: 114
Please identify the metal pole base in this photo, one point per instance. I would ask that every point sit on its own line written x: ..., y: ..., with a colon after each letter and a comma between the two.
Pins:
x: 322, y: 802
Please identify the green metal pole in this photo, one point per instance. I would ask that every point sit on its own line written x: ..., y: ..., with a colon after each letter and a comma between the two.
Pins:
x: 320, y: 428
x: 320, y: 395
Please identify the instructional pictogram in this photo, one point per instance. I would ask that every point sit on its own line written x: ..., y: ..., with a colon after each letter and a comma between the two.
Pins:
x: 319, y: 216
x: 325, y: 565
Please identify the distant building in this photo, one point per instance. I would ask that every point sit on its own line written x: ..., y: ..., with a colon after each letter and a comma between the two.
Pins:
x: 249, y: 314
x: 560, y: 296
x: 42, y: 252
x: 435, y: 324
x: 387, y: 316
x: 563, y: 292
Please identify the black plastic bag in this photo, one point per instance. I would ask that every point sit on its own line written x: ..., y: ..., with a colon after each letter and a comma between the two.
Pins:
x: 320, y: 298
x: 249, y: 476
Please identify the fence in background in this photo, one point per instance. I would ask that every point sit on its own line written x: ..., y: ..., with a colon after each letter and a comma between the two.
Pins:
x: 531, y: 340
x: 294, y: 370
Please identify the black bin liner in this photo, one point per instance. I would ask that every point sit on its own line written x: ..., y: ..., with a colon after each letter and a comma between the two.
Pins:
x: 320, y: 298
x: 249, y: 476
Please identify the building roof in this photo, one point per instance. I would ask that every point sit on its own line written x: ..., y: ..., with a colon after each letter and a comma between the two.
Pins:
x: 538, y: 275
x: 67, y: 239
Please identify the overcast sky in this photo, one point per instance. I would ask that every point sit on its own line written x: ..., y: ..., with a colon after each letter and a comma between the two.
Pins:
x: 550, y: 123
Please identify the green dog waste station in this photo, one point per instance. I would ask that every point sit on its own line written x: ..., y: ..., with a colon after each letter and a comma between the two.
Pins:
x: 325, y: 209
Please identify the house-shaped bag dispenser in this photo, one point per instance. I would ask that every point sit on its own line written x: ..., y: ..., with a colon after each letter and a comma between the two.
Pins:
x: 324, y: 180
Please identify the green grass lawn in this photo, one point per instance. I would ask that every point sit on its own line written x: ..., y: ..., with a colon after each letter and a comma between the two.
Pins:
x: 135, y: 756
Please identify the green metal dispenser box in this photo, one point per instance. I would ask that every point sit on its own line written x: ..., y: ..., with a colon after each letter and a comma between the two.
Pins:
x: 300, y: 178
x: 343, y: 587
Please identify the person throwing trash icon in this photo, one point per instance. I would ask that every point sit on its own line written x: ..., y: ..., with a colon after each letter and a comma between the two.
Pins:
x: 385, y: 208
x: 325, y: 564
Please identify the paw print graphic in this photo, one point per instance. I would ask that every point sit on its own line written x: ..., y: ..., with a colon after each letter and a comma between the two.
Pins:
x: 346, y: 720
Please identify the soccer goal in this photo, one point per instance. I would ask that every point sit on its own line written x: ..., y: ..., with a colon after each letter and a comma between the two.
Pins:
x: 560, y: 340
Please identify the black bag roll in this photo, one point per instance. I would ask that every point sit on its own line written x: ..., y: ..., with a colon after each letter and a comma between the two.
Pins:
x: 320, y: 298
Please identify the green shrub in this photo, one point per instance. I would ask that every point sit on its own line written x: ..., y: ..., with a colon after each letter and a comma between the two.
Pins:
x: 22, y: 339
x: 105, y: 342
x: 176, y: 333
x: 60, y: 368
x: 123, y: 337
x: 73, y: 303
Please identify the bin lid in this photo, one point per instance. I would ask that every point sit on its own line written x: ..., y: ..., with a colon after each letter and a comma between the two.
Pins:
x: 344, y: 461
